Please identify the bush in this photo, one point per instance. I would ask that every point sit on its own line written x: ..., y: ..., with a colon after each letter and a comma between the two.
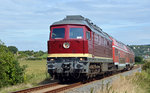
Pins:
x: 44, y: 56
x: 138, y: 59
x: 146, y: 67
x: 22, y: 56
x: 13, y: 49
x: 10, y: 71
x: 38, y: 54
x: 142, y: 79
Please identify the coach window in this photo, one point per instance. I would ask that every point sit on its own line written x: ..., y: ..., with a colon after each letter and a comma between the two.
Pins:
x: 88, y: 35
x: 116, y: 52
x: 76, y: 33
x: 58, y: 33
x: 107, y: 43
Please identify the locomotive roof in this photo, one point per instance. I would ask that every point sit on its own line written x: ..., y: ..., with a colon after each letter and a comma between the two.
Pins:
x: 78, y: 19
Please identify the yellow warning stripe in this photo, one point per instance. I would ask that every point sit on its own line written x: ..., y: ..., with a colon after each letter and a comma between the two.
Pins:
x: 102, y: 57
x: 70, y: 55
x: 75, y: 55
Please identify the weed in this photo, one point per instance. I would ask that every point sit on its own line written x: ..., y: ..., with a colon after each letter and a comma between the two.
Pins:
x: 92, y: 89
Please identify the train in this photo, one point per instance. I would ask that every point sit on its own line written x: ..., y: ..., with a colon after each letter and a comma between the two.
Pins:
x: 79, y: 49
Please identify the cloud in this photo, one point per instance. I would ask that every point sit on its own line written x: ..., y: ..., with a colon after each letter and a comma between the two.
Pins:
x: 24, y: 22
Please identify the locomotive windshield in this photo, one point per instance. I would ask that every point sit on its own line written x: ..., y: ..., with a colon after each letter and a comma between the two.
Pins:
x: 58, y: 33
x: 76, y: 33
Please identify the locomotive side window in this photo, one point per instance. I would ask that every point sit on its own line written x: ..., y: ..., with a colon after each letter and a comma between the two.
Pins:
x: 88, y: 35
x: 58, y: 33
x: 76, y: 33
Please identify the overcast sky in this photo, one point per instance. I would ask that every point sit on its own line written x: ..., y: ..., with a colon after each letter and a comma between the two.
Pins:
x: 25, y: 23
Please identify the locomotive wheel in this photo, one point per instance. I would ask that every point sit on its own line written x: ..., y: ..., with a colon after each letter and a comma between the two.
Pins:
x: 84, y: 78
x: 76, y: 75
x: 61, y: 79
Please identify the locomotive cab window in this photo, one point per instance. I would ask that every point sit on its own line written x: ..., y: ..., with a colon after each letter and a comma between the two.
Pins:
x: 88, y: 35
x: 58, y: 33
x: 76, y: 33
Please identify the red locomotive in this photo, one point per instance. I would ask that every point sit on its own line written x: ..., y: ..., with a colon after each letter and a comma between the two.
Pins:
x: 79, y: 49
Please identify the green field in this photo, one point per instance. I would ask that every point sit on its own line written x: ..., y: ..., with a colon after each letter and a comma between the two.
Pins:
x: 35, y: 74
x: 36, y: 70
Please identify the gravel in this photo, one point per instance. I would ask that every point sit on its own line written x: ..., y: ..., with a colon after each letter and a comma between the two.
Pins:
x: 99, y: 84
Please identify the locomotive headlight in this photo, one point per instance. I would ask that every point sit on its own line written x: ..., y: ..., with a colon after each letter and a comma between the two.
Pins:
x: 52, y: 59
x: 66, y: 45
x: 81, y: 59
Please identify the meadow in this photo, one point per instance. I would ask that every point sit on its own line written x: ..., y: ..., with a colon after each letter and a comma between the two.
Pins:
x: 35, y: 74
x: 36, y: 70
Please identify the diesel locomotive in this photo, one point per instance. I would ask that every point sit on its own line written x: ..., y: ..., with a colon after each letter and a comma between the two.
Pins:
x: 78, y: 49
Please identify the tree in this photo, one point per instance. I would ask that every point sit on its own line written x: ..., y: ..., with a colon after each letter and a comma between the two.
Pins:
x: 38, y: 54
x: 138, y: 59
x: 10, y: 71
x: 29, y: 53
x: 13, y: 49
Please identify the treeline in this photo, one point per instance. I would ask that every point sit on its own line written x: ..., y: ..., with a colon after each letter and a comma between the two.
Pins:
x: 31, y: 55
x: 28, y: 54
x: 141, y: 50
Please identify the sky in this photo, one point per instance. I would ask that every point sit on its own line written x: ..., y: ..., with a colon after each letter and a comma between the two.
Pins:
x: 25, y: 23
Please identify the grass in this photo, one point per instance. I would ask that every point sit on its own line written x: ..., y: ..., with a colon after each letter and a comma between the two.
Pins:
x: 36, y: 70
x: 136, y: 83
x: 122, y: 85
x: 35, y: 74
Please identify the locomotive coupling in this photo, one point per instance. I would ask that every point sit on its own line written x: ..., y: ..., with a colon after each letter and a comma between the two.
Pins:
x: 66, y: 66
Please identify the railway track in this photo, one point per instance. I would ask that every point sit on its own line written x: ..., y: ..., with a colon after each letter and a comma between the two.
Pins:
x: 37, y: 88
x: 49, y: 88
x: 58, y: 87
